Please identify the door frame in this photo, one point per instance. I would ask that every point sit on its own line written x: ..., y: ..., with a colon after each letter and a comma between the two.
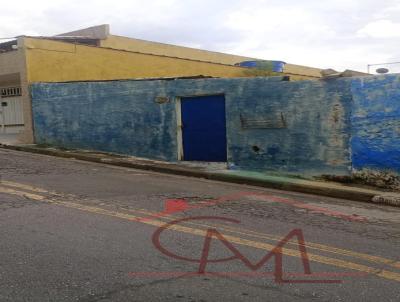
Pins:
x: 179, y: 130
x: 179, y: 126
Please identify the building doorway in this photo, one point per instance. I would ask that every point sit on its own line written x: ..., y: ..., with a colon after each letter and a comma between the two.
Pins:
x: 203, y: 123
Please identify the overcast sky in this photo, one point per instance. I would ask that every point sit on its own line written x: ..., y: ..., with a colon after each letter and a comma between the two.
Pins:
x: 342, y: 34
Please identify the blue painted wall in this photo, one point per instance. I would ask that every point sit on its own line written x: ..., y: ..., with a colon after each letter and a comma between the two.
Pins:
x: 315, y: 139
x: 119, y: 117
x: 375, y: 121
x: 272, y: 125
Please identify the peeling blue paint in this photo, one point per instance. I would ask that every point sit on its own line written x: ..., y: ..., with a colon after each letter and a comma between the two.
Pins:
x: 122, y: 117
x: 376, y: 123
x: 313, y: 141
x: 292, y: 127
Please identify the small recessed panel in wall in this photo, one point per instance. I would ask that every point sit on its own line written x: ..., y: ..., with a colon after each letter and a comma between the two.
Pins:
x: 270, y: 121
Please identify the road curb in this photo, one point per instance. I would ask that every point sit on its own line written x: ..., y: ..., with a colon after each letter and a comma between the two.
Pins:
x: 351, y: 193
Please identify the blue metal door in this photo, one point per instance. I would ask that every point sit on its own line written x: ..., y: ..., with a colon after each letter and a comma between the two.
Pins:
x: 204, y: 128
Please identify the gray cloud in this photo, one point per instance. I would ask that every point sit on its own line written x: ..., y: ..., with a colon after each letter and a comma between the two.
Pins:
x: 339, y: 34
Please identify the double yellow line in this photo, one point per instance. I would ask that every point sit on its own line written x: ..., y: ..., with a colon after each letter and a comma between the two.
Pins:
x: 199, y: 229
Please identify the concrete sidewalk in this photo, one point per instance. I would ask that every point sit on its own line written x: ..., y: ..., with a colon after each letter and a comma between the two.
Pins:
x: 8, y: 138
x: 221, y: 173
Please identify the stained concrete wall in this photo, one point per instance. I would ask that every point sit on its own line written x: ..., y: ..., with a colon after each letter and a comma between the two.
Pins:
x: 117, y: 116
x: 290, y: 127
x: 94, y: 32
x: 375, y: 139
x: 10, y: 62
x: 307, y: 127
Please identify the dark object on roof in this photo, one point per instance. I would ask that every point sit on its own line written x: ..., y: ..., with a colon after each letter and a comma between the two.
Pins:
x: 8, y: 46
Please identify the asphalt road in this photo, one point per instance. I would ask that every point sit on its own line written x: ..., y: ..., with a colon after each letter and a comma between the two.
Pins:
x: 78, y: 231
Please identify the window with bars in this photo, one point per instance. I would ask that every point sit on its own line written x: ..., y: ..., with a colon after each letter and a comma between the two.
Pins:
x: 10, y: 91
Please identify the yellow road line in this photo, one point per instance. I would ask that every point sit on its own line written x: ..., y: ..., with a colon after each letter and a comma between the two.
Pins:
x: 199, y: 232
x: 23, y: 186
x: 254, y: 244
x: 309, y: 245
x: 26, y: 187
x: 21, y: 194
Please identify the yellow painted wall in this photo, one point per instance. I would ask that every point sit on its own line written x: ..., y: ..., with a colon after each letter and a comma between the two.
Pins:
x: 297, y: 72
x: 125, y: 43
x: 302, y: 70
x: 54, y: 61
